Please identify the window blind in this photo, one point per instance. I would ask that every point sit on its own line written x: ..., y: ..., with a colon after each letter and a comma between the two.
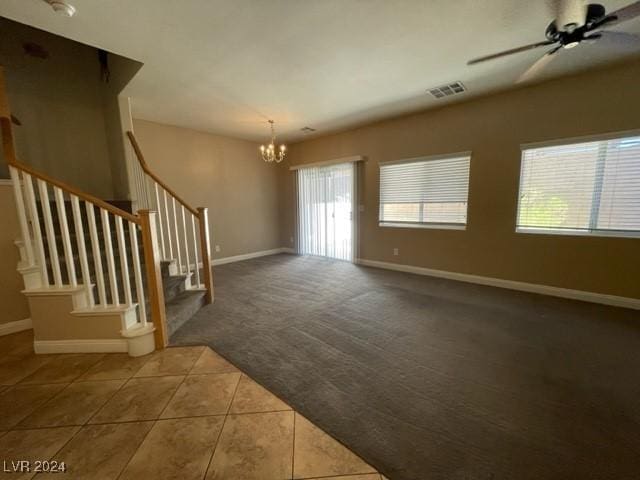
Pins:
x: 425, y: 191
x: 588, y: 188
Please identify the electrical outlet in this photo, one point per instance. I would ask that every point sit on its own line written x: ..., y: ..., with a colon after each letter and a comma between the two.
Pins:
x: 396, y: 252
x: 217, y: 248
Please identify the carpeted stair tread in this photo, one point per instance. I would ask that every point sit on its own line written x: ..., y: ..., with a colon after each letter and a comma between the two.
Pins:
x: 182, y: 307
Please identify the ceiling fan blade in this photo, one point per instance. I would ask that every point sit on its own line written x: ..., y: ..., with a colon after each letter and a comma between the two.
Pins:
x: 619, y: 38
x: 510, y: 52
x: 538, y: 66
x: 626, y: 13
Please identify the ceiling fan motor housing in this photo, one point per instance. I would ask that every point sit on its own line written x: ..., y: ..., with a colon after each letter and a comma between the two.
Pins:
x: 572, y: 33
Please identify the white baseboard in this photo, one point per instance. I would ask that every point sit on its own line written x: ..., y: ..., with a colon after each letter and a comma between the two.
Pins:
x: 247, y: 256
x: 17, y: 326
x: 593, y: 297
x: 81, y: 346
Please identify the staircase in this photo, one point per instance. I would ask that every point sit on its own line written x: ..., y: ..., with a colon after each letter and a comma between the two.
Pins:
x: 100, y: 278
x: 182, y: 300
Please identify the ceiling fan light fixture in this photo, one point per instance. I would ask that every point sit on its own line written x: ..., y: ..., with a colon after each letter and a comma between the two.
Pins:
x: 571, y: 44
x: 62, y: 8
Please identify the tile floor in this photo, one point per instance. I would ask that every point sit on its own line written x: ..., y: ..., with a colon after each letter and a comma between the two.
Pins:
x: 183, y: 413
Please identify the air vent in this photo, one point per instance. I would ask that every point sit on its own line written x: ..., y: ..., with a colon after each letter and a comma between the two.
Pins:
x: 447, y: 90
x: 307, y: 129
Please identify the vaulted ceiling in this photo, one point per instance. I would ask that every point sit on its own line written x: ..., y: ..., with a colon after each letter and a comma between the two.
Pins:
x: 226, y: 66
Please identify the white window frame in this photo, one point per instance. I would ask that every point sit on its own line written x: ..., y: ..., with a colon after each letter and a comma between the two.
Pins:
x: 565, y: 142
x: 426, y: 225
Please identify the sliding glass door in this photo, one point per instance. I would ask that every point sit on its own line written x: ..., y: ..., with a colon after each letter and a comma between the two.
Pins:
x: 325, y: 211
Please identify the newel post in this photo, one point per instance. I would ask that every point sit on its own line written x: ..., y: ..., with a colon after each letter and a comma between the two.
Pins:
x: 205, y: 247
x: 153, y: 269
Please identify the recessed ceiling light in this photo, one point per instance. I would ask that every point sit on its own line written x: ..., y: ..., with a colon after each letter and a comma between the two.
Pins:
x: 62, y: 8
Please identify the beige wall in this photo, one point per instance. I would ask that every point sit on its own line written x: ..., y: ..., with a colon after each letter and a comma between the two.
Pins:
x: 70, y: 118
x: 14, y: 304
x: 493, y: 128
x: 224, y: 174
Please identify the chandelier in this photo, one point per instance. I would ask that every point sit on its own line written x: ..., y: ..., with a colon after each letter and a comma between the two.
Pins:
x: 269, y: 152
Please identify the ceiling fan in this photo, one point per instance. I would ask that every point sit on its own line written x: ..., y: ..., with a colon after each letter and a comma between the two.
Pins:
x: 576, y: 22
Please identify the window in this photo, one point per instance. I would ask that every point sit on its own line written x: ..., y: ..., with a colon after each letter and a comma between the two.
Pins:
x: 590, y: 188
x: 425, y: 192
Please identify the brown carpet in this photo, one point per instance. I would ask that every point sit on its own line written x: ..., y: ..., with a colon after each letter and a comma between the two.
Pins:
x: 435, y: 379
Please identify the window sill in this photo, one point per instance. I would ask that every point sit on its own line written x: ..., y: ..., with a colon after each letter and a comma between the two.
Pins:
x: 578, y: 233
x: 428, y: 226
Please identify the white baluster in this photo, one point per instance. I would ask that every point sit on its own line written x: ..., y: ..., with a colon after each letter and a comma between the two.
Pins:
x: 97, y: 254
x: 51, y: 234
x: 159, y: 208
x: 195, y: 249
x: 124, y: 263
x: 137, y: 271
x: 66, y: 238
x: 139, y: 194
x: 141, y: 188
x: 186, y: 243
x: 177, y: 234
x: 166, y: 214
x: 35, y: 227
x: 111, y: 263
x: 82, y: 249
x: 146, y: 188
x: 22, y: 216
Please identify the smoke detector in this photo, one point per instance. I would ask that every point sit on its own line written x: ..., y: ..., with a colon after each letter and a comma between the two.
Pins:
x: 62, y: 8
x: 446, y: 90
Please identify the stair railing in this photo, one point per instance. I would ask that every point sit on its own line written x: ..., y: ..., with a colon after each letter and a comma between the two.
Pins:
x: 43, y: 256
x: 183, y: 230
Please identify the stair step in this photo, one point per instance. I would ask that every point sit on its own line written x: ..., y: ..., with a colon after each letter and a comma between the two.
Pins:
x: 173, y: 285
x: 183, y: 307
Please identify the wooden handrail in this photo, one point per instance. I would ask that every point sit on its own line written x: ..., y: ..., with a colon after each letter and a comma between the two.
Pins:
x: 9, y: 152
x: 147, y: 170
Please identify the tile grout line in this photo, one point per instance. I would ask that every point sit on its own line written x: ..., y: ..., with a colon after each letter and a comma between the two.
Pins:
x: 44, y: 402
x: 140, y: 420
x: 293, y: 447
x: 26, y: 427
x: 133, y: 454
x: 123, y: 378
x: 184, y: 377
x: 107, y: 401
x: 65, y: 443
x: 73, y: 380
x: 155, y: 421
x: 197, y: 360
x: 224, y: 422
x: 342, y: 475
